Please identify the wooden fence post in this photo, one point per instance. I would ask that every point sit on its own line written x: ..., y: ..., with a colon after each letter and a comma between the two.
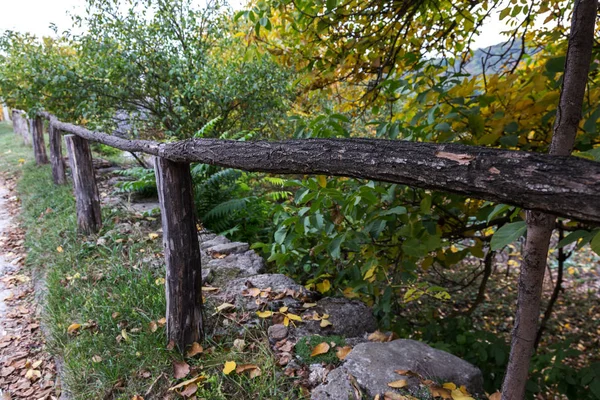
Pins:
x: 20, y: 126
x: 182, y: 252
x: 89, y: 218
x: 37, y: 136
x: 56, y: 156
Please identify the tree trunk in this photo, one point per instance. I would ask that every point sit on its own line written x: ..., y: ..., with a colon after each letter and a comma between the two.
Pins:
x: 540, y: 225
x: 37, y: 135
x: 20, y: 126
x: 89, y: 218
x: 56, y: 156
x: 182, y: 253
x: 565, y: 186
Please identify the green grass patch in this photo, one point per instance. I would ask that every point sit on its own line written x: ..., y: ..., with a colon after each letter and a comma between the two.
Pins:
x: 111, y: 284
x: 305, y: 346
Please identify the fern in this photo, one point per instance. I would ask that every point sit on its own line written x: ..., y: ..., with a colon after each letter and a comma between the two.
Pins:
x: 143, y: 181
x: 227, y: 208
x: 278, y: 196
x: 208, y: 128
x: 275, y: 181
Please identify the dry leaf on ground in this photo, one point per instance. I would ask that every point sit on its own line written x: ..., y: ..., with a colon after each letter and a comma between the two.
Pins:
x: 321, y: 348
x: 180, y: 369
x: 229, y: 367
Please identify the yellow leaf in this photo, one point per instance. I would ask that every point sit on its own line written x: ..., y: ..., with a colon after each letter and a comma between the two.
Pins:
x: 59, y: 249
x: 209, y: 289
x: 321, y: 348
x: 449, y: 385
x: 309, y: 305
x: 457, y: 394
x: 378, y: 336
x: 286, y: 321
x: 400, y: 383
x: 73, y: 328
x: 322, y: 180
x: 162, y: 321
x: 294, y: 317
x: 283, y: 309
x: 229, y: 367
x: 195, y: 349
x: 349, y: 293
x: 188, y: 382
x: 369, y: 274
x: 324, y: 286
x: 325, y: 323
x: 125, y: 335
x: 264, y: 314
x: 254, y: 292
x: 160, y: 281
x: 342, y: 352
x: 33, y: 374
x: 153, y: 326
x: 153, y: 235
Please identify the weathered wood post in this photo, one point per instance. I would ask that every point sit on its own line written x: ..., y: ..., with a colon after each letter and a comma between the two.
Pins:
x: 37, y: 135
x: 89, y: 218
x: 56, y: 156
x: 182, y: 252
x: 20, y: 126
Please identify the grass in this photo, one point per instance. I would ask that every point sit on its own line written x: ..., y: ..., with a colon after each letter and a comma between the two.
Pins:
x: 111, y: 284
x: 305, y: 346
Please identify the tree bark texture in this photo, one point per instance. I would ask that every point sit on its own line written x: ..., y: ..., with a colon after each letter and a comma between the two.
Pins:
x: 87, y: 198
x: 540, y: 225
x: 564, y: 186
x: 56, y: 156
x: 39, y: 147
x: 182, y: 252
x: 20, y: 126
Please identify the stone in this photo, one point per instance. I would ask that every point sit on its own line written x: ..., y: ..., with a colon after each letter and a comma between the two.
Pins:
x: 349, y: 318
x: 277, y: 332
x: 373, y: 364
x: 317, y: 375
x: 232, y: 290
x: 213, y: 242
x: 228, y: 248
x: 236, y: 265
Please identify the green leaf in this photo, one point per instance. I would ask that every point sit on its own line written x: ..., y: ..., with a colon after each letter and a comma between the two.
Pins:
x: 508, y: 234
x: 331, y: 4
x: 555, y: 65
x: 394, y: 211
x: 442, y: 127
x: 572, y: 237
x: 595, y: 243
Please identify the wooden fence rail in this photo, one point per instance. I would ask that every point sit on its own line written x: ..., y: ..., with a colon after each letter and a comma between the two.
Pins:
x: 565, y: 186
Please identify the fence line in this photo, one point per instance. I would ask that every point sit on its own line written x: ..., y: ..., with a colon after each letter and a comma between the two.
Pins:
x: 566, y: 186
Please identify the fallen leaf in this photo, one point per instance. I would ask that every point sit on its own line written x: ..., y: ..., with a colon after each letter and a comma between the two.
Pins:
x: 73, y: 328
x: 153, y: 235
x: 378, y: 336
x: 137, y: 397
x: 457, y: 394
x: 96, y: 359
x: 33, y: 374
x: 309, y: 305
x: 294, y: 317
x: 394, y: 396
x: 496, y: 396
x: 253, y: 370
x: 159, y: 281
x: 264, y: 314
x: 400, y: 383
x: 59, y: 249
x: 229, y: 367
x: 162, y: 321
x: 189, y: 390
x: 209, y: 289
x: 253, y: 292
x: 324, y: 286
x: 180, y: 369
x: 449, y: 386
x: 342, y: 352
x: 195, y: 349
x: 325, y: 323
x: 187, y: 382
x: 283, y: 309
x: 321, y: 348
x: 438, y: 391
x: 171, y: 345
x: 225, y: 306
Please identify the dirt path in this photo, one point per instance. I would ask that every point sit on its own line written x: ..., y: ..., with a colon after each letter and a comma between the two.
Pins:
x: 26, y: 370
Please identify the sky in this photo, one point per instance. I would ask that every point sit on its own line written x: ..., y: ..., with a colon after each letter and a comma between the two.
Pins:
x: 35, y: 16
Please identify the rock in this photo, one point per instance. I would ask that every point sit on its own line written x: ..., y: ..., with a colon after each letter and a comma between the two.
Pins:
x: 318, y: 373
x: 228, y: 248
x: 349, y: 318
x: 232, y: 291
x: 277, y: 332
x: 236, y: 265
x: 373, y: 366
x: 205, y: 236
x: 206, y: 275
x: 213, y: 242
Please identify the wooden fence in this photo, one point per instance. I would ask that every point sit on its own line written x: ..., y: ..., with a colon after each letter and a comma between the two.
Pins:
x: 564, y: 186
